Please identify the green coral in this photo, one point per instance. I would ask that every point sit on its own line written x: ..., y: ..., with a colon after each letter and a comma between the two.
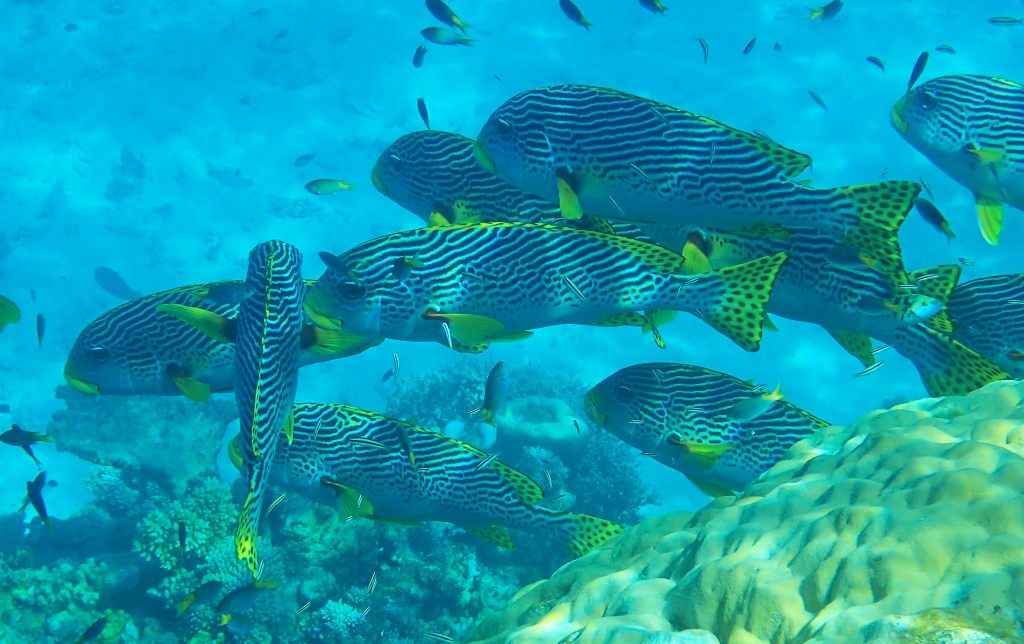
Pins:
x: 208, y: 513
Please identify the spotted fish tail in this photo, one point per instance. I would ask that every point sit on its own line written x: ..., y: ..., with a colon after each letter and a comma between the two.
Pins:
x: 947, y: 367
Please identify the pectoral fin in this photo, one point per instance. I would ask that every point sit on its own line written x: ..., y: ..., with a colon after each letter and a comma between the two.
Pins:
x: 216, y: 326
x: 192, y: 388
x: 990, y: 218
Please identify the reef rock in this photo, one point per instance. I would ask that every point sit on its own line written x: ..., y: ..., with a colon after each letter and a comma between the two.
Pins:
x: 907, y: 526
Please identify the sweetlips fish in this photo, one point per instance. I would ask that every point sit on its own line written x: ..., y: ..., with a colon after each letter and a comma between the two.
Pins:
x: 479, y: 283
x: 718, y: 430
x: 268, y: 339
x: 390, y: 470
x: 622, y: 157
x: 435, y: 176
x: 972, y: 128
x: 987, y: 314
x: 136, y: 348
x: 845, y: 293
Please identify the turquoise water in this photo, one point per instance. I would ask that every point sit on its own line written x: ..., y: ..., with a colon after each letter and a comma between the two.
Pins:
x: 160, y: 139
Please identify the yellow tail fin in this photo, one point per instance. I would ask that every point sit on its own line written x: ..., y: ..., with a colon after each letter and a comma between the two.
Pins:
x: 739, y: 311
x: 587, y: 532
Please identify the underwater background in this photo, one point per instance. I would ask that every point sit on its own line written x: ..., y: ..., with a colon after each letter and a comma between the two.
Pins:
x: 165, y: 139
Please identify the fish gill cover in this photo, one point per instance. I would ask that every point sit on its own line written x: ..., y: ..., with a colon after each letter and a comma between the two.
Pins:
x: 676, y: 184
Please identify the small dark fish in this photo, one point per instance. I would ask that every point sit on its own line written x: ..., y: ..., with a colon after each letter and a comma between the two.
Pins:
x: 946, y: 49
x: 202, y: 595
x: 777, y: 46
x: 398, y: 365
x: 653, y: 5
x: 572, y: 12
x: 828, y: 11
x: 919, y: 66
x: 1005, y: 21
x: 18, y: 437
x: 704, y: 48
x: 112, y: 282
x: 93, y: 631
x: 750, y: 46
x: 932, y: 215
x: 40, y: 328
x: 444, y: 13
x: 876, y: 61
x: 440, y: 636
x: 417, y: 58
x: 326, y: 186
x: 387, y: 375
x: 443, y: 36
x: 241, y: 598
x: 576, y: 424
x: 34, y: 496
x: 421, y: 107
x: 965, y: 261
x: 303, y: 159
x: 182, y: 536
x: 817, y: 99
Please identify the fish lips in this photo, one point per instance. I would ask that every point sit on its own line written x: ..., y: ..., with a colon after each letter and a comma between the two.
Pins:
x: 378, y: 181
x: 77, y: 383
x: 483, y: 159
x: 897, y: 118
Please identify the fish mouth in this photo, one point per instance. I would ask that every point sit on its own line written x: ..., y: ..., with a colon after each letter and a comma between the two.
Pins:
x: 896, y: 116
x: 78, y: 384
x: 593, y: 409
x: 319, y: 318
x: 483, y: 159
x: 378, y: 182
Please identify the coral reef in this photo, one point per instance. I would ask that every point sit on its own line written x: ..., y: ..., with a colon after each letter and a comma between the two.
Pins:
x: 901, y: 527
x: 144, y: 435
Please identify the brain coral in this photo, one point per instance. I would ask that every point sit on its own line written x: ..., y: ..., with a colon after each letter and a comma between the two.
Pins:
x: 906, y: 526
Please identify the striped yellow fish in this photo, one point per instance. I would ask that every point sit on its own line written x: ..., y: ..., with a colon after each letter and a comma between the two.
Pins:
x: 480, y: 283
x: 136, y: 348
x: 362, y: 459
x: 846, y: 294
x: 689, y: 418
x: 987, y: 315
x: 972, y: 128
x: 618, y: 156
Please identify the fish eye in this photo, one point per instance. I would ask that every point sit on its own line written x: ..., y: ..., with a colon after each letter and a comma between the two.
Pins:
x: 503, y: 128
x: 352, y: 291
x: 99, y: 354
x: 926, y: 101
x: 624, y: 394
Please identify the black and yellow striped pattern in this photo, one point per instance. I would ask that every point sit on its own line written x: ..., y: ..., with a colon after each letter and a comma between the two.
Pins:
x: 638, y: 160
x: 815, y: 286
x: 988, y: 316
x: 408, y: 473
x: 527, y: 276
x: 134, y: 349
x: 663, y: 407
x: 436, y: 172
x: 972, y: 128
x: 268, y: 338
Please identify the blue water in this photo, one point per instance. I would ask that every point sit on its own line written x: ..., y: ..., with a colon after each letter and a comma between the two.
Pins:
x: 158, y: 138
